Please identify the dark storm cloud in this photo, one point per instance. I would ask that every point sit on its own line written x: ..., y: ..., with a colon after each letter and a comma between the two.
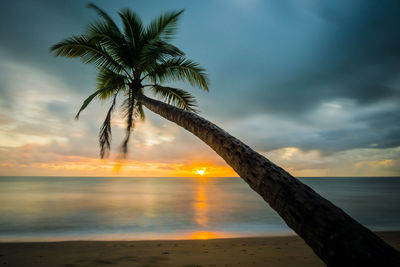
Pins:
x: 386, y: 126
x: 29, y: 28
x: 358, y: 57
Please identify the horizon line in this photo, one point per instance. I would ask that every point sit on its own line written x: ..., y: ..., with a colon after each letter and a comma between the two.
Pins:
x: 83, y: 176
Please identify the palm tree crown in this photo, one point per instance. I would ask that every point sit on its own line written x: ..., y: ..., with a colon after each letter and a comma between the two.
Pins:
x: 130, y: 60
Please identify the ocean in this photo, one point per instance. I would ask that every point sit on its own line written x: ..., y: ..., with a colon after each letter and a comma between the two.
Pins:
x: 100, y: 208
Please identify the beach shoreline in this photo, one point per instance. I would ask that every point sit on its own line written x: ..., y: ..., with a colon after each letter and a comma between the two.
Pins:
x: 245, y: 251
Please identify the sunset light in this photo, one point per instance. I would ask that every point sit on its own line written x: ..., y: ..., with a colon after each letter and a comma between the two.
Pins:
x: 204, y: 235
x: 200, y: 171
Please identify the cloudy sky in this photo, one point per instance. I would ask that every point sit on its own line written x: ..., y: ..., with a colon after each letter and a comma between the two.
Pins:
x: 313, y: 85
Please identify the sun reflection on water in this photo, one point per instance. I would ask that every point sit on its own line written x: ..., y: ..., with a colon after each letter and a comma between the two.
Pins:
x: 201, y: 205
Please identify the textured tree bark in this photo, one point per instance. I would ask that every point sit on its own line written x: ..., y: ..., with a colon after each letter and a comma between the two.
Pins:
x: 334, y: 236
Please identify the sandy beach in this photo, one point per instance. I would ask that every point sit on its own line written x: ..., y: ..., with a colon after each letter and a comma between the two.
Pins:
x: 261, y: 251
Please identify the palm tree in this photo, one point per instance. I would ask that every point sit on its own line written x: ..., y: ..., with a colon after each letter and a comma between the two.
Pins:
x: 138, y: 58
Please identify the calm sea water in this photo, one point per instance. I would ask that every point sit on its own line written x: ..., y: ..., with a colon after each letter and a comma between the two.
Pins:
x: 66, y: 208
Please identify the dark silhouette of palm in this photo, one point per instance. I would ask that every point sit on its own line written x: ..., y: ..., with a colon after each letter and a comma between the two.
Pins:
x: 131, y: 61
x: 137, y: 58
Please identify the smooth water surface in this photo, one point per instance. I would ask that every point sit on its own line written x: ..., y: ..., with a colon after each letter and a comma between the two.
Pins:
x: 72, y: 208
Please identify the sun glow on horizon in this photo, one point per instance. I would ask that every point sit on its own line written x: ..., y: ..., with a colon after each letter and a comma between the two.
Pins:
x: 201, y: 171
x: 205, y: 235
x: 111, y: 167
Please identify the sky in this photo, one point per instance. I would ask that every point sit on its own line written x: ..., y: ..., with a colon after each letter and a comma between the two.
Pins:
x: 312, y: 85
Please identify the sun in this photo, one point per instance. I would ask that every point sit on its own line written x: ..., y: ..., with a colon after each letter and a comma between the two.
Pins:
x: 201, y: 171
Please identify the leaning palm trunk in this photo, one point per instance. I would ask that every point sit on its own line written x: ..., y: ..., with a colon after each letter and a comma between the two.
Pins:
x: 334, y: 236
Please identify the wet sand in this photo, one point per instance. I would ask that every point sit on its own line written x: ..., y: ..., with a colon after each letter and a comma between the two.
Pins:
x: 260, y: 251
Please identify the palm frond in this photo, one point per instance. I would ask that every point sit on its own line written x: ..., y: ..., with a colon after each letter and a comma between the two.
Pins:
x: 176, y: 97
x: 104, y: 15
x: 109, y: 38
x: 86, y: 103
x: 105, y: 132
x: 99, y: 92
x: 108, y: 82
x: 115, y: 46
x: 156, y: 51
x: 179, y: 69
x: 109, y: 35
x: 164, y: 27
x: 133, y: 29
x: 129, y: 105
x: 140, y: 111
x: 89, y: 52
